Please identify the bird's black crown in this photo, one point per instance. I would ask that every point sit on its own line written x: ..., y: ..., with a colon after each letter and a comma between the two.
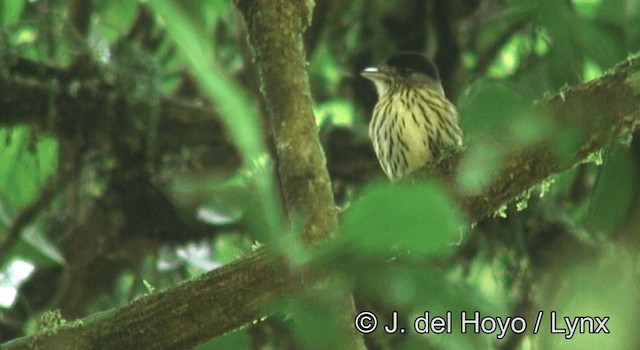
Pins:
x: 408, y: 63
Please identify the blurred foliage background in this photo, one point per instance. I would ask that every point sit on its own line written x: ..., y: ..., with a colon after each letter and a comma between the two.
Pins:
x: 98, y: 206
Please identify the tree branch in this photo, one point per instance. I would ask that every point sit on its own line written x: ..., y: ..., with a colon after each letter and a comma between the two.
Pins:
x: 302, y: 169
x: 604, y: 110
x: 54, y: 185
x: 303, y: 173
x: 180, y: 317
x: 32, y: 93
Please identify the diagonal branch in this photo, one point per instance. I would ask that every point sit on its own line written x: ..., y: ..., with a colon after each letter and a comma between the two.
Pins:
x: 603, y: 110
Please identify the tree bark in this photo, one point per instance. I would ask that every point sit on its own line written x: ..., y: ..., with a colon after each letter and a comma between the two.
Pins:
x: 301, y: 164
x: 302, y: 169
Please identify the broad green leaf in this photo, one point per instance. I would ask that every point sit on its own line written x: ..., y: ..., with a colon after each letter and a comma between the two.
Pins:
x: 315, y: 318
x: 414, y: 287
x: 488, y: 105
x: 236, y: 110
x: 600, y: 288
x: 237, y: 340
x: 602, y: 43
x: 115, y: 18
x: 10, y: 11
x: 614, y: 191
x: 420, y: 217
x: 25, y: 163
x: 496, y: 120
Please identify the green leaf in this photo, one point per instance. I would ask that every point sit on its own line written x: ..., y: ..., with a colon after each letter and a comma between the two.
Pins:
x: 565, y: 57
x: 420, y: 217
x: 239, y: 340
x: 314, y: 316
x: 614, y: 191
x: 35, y: 247
x: 492, y: 104
x: 24, y: 165
x: 615, y: 11
x: 413, y: 287
x: 496, y: 120
x: 602, y: 43
x: 479, y: 166
x: 237, y: 111
x: 116, y: 17
x: 599, y: 286
x: 10, y: 11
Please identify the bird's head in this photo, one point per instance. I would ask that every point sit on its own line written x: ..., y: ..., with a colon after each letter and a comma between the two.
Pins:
x: 407, y: 69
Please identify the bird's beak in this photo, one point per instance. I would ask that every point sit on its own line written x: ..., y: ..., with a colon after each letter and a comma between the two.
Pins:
x: 372, y: 73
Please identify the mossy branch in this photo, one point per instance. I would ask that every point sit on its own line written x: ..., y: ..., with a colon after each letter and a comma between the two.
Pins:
x: 275, y: 31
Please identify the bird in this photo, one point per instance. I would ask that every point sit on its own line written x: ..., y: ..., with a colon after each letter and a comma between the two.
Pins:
x: 413, y: 122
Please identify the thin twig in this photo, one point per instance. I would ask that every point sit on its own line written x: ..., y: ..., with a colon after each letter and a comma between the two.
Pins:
x: 54, y: 185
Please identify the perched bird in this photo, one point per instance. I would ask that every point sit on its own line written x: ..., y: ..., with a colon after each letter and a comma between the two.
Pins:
x: 413, y: 122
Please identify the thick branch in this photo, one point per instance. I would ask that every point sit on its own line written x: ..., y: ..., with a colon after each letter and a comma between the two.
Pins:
x: 302, y: 169
x: 178, y: 318
x: 603, y: 110
x: 31, y: 93
x: 301, y: 165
